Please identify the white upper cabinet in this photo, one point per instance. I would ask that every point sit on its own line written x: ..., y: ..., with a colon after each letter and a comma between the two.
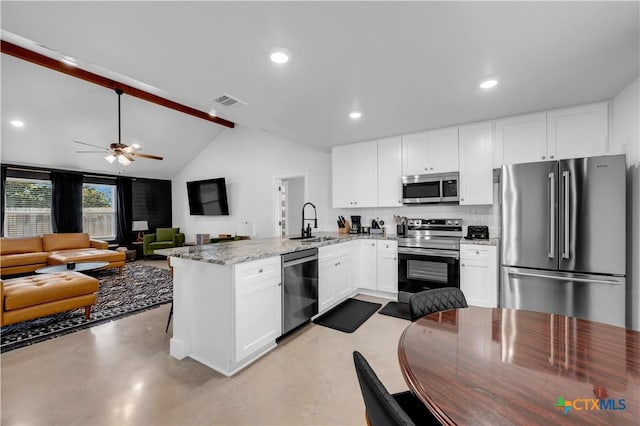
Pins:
x: 435, y: 151
x: 414, y: 153
x: 390, y: 172
x: 443, y: 150
x: 581, y: 131
x: 521, y: 139
x: 342, y: 176
x: 355, y: 175
x: 476, y: 164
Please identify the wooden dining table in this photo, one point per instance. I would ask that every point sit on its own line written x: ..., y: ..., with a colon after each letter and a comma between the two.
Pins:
x: 506, y: 366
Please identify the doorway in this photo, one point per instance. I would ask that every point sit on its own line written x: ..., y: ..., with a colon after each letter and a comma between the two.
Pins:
x: 290, y: 196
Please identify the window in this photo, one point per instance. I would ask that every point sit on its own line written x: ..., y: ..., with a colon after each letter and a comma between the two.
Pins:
x: 99, y: 210
x: 28, y: 207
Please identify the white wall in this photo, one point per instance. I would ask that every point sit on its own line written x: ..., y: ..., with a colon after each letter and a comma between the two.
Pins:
x: 249, y: 159
x: 626, y: 139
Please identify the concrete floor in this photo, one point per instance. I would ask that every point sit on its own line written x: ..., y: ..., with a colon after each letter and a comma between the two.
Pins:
x: 120, y: 373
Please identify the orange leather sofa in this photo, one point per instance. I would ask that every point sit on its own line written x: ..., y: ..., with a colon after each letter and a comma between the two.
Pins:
x: 22, y: 255
x: 37, y: 296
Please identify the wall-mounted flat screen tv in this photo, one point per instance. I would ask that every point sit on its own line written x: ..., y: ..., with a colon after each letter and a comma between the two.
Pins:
x: 208, y: 197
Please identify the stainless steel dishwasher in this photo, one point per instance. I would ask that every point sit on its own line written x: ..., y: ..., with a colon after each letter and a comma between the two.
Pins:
x: 299, y: 288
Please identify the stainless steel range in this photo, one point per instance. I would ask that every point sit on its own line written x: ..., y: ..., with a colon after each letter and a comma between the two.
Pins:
x: 428, y: 256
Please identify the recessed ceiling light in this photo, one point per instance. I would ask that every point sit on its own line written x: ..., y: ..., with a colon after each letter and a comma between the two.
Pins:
x: 355, y: 115
x: 279, y: 57
x: 135, y: 145
x: 17, y: 123
x: 213, y: 113
x: 69, y: 61
x: 488, y: 84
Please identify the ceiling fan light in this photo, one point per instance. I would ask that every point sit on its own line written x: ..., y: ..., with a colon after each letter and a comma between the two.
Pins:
x: 123, y: 160
x: 110, y: 158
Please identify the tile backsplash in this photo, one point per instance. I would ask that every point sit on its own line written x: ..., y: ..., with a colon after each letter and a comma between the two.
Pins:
x: 488, y: 215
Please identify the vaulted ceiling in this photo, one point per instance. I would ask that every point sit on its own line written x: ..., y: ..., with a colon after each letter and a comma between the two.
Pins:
x: 407, y: 66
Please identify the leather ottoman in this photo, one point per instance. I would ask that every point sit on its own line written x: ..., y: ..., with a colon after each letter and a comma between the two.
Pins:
x: 62, y: 257
x: 41, y: 295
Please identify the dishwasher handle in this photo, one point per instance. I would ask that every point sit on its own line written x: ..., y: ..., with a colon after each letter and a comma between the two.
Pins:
x: 299, y: 261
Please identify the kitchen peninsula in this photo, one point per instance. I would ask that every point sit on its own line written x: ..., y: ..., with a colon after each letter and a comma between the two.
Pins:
x: 227, y: 296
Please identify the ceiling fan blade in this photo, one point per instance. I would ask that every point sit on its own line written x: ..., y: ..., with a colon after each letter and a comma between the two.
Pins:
x: 127, y: 156
x: 89, y: 144
x: 153, y: 157
x: 86, y: 152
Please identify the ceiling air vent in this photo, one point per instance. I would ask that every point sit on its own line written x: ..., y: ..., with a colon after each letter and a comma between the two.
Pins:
x: 229, y: 101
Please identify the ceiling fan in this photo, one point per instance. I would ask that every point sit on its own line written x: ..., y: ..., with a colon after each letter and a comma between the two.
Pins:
x: 123, y: 153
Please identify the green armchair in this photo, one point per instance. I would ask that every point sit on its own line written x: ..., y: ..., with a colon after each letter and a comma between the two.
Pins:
x: 163, y: 238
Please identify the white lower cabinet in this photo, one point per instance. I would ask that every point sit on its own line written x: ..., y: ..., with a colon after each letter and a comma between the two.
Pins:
x: 258, y: 313
x: 334, y: 274
x: 368, y: 261
x: 387, y: 266
x: 378, y: 265
x: 479, y: 274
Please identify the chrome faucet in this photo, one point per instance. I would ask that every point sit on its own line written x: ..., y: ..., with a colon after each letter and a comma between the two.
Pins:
x: 306, y: 233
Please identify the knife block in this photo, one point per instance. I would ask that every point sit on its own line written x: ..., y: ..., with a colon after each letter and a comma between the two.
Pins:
x: 346, y: 228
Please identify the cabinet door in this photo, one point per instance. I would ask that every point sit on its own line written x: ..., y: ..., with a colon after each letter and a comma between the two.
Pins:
x: 479, y: 275
x: 364, y: 165
x: 414, y: 154
x: 581, y: 131
x: 476, y: 164
x: 390, y: 172
x: 342, y: 176
x: 343, y: 277
x: 326, y: 284
x: 443, y: 150
x: 258, y: 313
x: 368, y: 260
x: 521, y: 139
x: 387, y: 254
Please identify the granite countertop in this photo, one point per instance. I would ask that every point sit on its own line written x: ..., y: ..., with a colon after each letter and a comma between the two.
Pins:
x: 488, y: 242
x: 230, y: 253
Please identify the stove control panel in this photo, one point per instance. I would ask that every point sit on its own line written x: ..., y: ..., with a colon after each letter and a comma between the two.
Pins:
x: 435, y: 222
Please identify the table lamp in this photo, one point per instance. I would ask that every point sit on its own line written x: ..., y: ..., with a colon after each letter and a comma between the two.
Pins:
x: 140, y: 226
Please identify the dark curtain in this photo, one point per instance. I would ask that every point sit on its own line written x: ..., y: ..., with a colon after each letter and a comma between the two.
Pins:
x: 124, y: 210
x: 66, y: 202
x: 4, y: 181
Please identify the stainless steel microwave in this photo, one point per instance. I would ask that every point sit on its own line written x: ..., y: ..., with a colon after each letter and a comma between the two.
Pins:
x: 432, y: 188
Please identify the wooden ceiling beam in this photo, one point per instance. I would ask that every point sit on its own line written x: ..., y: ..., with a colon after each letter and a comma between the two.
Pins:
x: 54, y: 64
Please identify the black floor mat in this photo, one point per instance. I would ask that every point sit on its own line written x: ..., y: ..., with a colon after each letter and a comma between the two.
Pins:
x: 348, y: 316
x: 398, y: 310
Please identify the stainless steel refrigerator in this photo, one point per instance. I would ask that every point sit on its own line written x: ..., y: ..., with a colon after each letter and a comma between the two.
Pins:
x: 564, y: 233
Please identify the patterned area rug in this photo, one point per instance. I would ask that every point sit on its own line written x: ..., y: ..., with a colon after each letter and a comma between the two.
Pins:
x: 138, y: 289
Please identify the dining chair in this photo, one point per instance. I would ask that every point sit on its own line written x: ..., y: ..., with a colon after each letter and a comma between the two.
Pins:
x: 435, y: 300
x: 385, y: 409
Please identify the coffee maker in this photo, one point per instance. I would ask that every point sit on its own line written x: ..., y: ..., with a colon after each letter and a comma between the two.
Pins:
x: 355, y: 225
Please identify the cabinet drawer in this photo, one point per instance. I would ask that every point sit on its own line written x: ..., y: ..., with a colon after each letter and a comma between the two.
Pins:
x: 263, y: 269
x: 390, y: 246
x: 334, y: 250
x: 474, y: 252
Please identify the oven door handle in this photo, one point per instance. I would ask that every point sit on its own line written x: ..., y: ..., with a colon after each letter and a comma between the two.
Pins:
x: 427, y: 252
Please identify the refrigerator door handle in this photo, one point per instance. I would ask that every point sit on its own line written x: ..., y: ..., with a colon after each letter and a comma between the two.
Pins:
x: 552, y: 214
x: 565, y: 208
x: 563, y: 278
